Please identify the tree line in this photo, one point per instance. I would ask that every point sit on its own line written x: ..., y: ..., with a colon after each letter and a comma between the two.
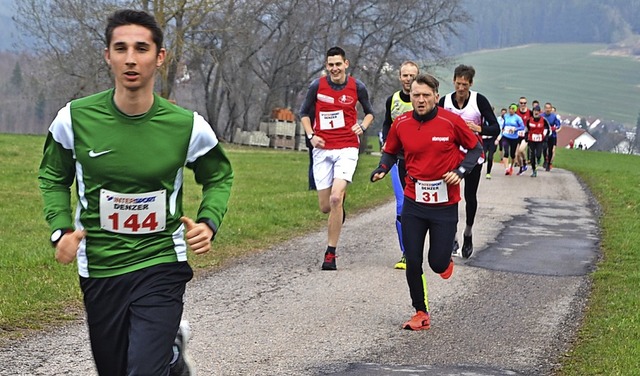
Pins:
x: 233, y: 61
x: 500, y: 24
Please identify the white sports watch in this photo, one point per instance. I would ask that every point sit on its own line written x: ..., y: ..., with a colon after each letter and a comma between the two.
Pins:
x: 57, y: 235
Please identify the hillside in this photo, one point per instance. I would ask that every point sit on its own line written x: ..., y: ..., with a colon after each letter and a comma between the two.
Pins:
x: 577, y: 78
x: 500, y: 24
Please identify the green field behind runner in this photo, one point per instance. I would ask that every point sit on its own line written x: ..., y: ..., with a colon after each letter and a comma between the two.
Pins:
x: 571, y: 76
x: 270, y: 203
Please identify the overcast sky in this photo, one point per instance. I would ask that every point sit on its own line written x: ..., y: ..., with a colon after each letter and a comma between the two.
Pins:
x: 7, y: 28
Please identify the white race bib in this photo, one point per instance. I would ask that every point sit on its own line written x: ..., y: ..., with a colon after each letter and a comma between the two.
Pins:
x: 521, y: 133
x: 133, y: 213
x: 331, y: 120
x: 536, y: 137
x: 431, y: 192
x: 509, y: 129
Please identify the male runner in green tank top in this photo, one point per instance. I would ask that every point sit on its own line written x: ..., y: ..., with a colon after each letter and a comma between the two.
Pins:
x: 126, y: 149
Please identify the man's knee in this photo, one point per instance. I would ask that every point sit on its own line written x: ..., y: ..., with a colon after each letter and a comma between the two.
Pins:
x: 335, y: 200
x: 439, y: 266
x: 324, y: 200
x: 325, y: 208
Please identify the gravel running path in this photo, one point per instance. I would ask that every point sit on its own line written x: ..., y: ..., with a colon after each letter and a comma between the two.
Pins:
x: 276, y: 313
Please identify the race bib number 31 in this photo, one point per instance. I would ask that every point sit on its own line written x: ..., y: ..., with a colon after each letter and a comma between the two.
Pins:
x: 133, y: 213
x: 431, y: 192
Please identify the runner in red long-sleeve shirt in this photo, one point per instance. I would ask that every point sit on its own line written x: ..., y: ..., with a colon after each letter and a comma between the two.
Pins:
x: 431, y: 139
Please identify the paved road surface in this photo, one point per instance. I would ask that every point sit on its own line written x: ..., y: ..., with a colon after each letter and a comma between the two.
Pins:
x: 511, y: 309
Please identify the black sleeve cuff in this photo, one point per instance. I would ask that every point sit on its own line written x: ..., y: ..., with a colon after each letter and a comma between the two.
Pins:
x: 211, y: 225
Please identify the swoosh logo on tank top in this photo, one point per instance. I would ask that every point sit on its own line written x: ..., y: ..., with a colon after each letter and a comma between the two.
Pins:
x: 94, y: 154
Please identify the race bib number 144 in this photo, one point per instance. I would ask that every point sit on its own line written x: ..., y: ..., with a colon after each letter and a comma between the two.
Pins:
x: 133, y: 213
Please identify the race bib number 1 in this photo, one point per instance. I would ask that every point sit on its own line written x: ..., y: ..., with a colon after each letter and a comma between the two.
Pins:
x: 133, y: 213
x: 431, y: 192
x: 331, y: 120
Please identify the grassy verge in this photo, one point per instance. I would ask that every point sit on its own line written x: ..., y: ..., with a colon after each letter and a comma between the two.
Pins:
x: 269, y: 203
x: 609, y: 340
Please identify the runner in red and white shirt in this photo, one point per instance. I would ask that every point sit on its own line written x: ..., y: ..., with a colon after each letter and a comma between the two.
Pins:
x: 475, y: 109
x: 335, y: 136
x: 537, y: 130
x: 431, y: 139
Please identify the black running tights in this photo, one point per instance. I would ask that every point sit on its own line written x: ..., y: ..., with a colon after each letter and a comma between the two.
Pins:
x: 417, y: 220
x: 489, y: 151
x: 535, y: 150
x: 471, y: 183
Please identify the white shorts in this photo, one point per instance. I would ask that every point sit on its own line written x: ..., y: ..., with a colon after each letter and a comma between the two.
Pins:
x: 329, y: 164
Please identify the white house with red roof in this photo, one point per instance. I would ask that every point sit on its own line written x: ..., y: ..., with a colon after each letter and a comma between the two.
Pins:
x: 579, y: 136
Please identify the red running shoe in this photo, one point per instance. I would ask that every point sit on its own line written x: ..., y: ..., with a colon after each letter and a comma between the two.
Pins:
x: 419, y: 321
x: 447, y: 273
x: 329, y: 261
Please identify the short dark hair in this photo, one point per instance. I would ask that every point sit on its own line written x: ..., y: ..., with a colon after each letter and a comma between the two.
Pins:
x: 125, y: 17
x: 429, y: 80
x: 335, y: 51
x: 464, y: 71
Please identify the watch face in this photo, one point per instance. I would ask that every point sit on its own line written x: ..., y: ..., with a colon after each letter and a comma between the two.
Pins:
x: 57, y: 234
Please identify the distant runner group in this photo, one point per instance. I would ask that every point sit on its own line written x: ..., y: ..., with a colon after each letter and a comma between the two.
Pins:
x: 527, y: 137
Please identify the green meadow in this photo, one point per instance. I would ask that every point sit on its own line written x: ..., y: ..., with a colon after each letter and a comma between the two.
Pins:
x: 571, y: 76
x: 270, y: 203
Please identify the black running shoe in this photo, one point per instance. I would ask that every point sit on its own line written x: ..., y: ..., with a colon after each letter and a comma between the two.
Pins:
x: 329, y: 261
x: 456, y: 247
x: 467, y: 247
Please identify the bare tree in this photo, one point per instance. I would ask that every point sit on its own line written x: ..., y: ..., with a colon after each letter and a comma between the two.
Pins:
x: 180, y: 19
x: 69, y: 37
x: 280, y: 48
x: 69, y: 34
x: 247, y: 57
x: 387, y: 32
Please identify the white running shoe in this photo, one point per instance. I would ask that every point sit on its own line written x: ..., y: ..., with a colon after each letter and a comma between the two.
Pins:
x: 183, y: 366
